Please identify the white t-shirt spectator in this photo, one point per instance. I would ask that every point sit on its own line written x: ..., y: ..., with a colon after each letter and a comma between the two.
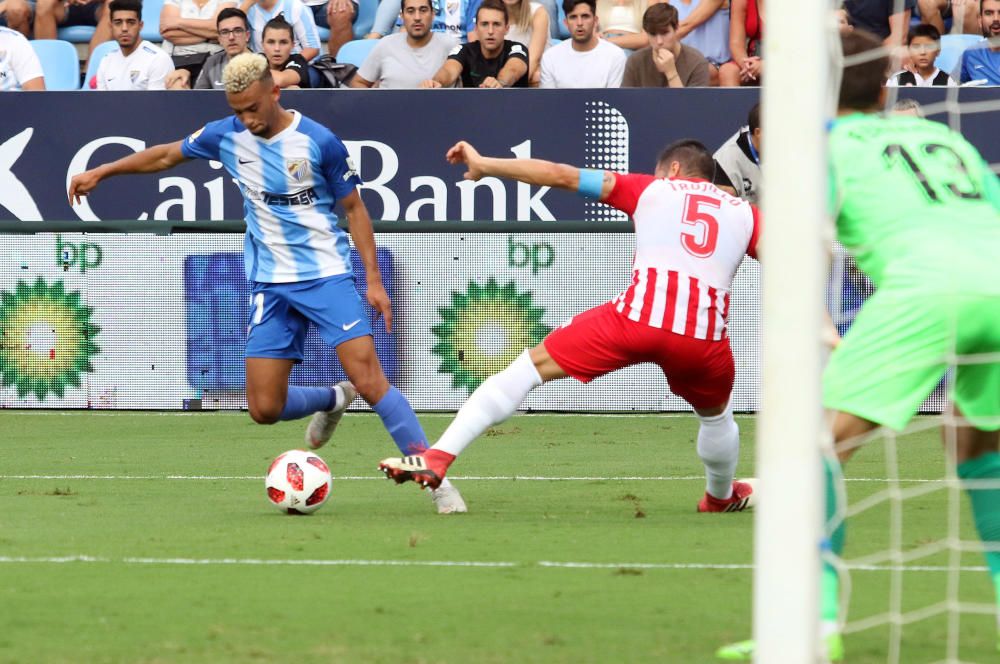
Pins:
x: 145, y: 69
x: 297, y: 14
x: 394, y: 64
x: 601, y: 67
x: 905, y: 78
x: 191, y: 9
x: 18, y: 61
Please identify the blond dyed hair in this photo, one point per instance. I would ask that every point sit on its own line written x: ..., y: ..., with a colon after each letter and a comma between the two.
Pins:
x: 243, y: 71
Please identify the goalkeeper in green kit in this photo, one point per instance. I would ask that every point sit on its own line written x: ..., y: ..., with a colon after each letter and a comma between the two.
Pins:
x: 919, y: 209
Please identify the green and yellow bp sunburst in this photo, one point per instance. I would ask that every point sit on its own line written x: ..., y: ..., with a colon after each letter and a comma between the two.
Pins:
x: 484, y: 330
x: 46, y: 338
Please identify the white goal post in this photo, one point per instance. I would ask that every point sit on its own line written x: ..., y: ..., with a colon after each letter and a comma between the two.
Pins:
x: 788, y: 521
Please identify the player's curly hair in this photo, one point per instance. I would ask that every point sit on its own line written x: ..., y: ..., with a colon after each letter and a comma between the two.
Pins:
x: 243, y: 71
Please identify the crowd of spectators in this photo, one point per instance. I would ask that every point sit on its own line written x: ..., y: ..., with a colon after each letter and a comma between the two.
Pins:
x: 482, y: 43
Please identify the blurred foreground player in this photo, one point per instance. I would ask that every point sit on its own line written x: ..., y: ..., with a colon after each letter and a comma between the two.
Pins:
x: 918, y: 208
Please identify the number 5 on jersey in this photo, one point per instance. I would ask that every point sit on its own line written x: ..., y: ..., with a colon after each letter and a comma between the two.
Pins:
x: 700, y: 229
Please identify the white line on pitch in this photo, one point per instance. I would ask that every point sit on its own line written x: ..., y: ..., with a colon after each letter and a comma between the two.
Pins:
x: 467, y: 478
x: 443, y: 563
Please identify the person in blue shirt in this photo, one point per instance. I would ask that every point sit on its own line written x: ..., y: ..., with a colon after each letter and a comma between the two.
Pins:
x: 291, y: 172
x: 981, y: 63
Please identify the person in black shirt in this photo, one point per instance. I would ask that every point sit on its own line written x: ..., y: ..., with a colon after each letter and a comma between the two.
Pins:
x: 289, y: 70
x: 489, y: 62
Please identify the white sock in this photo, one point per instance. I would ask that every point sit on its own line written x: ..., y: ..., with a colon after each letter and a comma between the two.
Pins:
x: 492, y: 402
x: 719, y: 449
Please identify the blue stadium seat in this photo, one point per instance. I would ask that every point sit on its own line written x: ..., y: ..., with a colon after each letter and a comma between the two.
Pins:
x: 151, y: 20
x: 952, y: 47
x: 95, y: 59
x: 362, y: 25
x: 60, y: 65
x: 563, y: 30
x: 366, y: 17
x: 76, y: 34
x: 355, y: 51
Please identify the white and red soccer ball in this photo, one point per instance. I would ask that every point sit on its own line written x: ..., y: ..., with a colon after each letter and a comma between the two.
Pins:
x: 298, y: 482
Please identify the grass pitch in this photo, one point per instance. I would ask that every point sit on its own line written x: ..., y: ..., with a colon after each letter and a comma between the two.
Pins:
x: 148, y: 538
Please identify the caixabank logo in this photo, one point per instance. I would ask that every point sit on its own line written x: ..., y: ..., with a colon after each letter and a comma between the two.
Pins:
x: 47, y: 339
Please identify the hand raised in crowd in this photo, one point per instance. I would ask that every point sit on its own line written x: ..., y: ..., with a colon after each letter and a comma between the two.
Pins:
x: 751, y: 69
x: 178, y: 79
x: 664, y: 60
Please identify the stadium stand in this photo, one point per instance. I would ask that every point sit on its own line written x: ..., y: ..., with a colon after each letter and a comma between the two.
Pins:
x: 355, y: 51
x: 952, y: 47
x: 95, y: 60
x: 59, y: 63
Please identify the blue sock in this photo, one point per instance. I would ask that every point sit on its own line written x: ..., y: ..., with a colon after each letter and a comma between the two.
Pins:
x: 304, y: 401
x: 401, y: 422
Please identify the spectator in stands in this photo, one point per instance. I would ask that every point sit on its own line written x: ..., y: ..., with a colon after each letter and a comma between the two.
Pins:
x: 456, y: 19
x: 488, y: 62
x: 300, y: 17
x: 845, y: 23
x: 666, y: 62
x: 234, y: 36
x: 16, y: 15
x: 924, y: 43
x: 405, y: 59
x: 19, y: 65
x: 289, y: 70
x: 620, y: 22
x: 889, y: 20
x: 746, y: 29
x: 50, y: 15
x: 338, y: 16
x: 529, y: 25
x: 739, y: 160
x: 981, y: 63
x: 189, y: 31
x: 704, y: 25
x: 137, y: 64
x: 584, y: 60
x: 964, y: 15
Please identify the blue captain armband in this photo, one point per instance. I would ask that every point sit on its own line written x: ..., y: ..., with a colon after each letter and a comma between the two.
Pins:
x: 591, y: 183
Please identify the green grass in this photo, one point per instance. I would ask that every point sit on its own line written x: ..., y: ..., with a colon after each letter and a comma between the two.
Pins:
x: 114, y: 610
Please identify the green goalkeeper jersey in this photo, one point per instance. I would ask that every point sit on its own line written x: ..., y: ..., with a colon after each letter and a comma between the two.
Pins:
x: 915, y: 204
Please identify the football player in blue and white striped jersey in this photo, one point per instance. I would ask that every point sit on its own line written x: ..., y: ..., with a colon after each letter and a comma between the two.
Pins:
x: 292, y: 171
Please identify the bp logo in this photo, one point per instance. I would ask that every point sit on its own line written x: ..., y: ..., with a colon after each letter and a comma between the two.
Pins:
x: 46, y: 338
x: 484, y: 330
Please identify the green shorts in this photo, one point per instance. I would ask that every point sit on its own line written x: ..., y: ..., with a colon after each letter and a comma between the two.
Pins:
x: 899, y: 348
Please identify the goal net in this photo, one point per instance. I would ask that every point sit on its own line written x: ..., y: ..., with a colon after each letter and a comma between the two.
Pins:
x: 914, y: 585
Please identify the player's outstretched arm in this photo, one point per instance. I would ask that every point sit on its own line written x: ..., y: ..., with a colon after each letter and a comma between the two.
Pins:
x: 360, y: 225
x: 151, y: 160
x: 533, y: 171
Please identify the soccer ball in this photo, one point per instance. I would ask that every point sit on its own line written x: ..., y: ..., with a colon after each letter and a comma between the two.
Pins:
x: 298, y: 482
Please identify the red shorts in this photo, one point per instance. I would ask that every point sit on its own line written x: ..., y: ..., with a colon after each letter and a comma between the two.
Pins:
x: 601, y: 340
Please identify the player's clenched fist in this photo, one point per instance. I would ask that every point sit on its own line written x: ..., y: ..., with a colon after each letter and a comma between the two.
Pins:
x: 464, y: 153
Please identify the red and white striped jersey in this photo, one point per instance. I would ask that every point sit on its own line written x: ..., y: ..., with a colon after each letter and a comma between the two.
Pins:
x: 690, y: 237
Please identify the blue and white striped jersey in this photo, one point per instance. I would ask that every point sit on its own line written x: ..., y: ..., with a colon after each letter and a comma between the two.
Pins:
x: 296, y: 13
x: 290, y: 184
